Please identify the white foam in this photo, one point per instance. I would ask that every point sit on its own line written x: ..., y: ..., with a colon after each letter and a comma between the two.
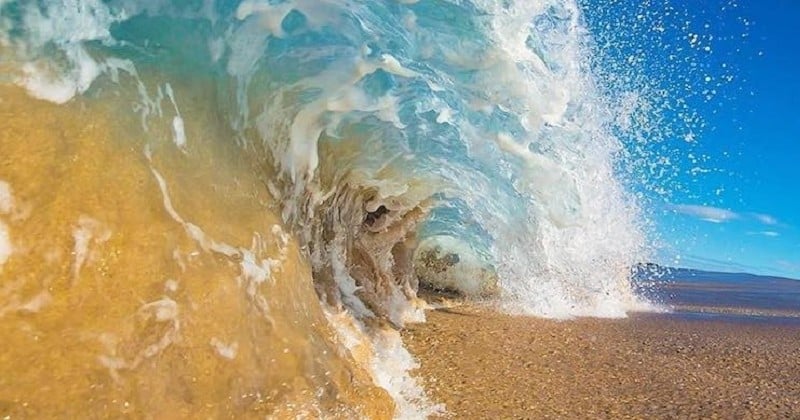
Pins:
x: 254, y: 269
x: 171, y: 286
x: 345, y: 282
x: 164, y: 311
x: 445, y: 116
x: 568, y: 250
x: 302, y: 158
x: 147, y: 106
x: 55, y: 86
x: 88, y: 231
x: 179, y: 132
x: 306, y: 129
x: 553, y: 188
x: 5, y: 245
x: 271, y: 16
x: 390, y: 368
x: 6, y: 198
x: 226, y: 351
x: 194, y: 231
x: 299, y: 157
x: 216, y: 47
x: 390, y: 64
x: 65, y: 24
x: 37, y: 303
x: 382, y: 353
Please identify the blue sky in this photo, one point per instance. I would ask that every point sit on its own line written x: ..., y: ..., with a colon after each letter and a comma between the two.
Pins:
x: 730, y: 136
x: 744, y: 215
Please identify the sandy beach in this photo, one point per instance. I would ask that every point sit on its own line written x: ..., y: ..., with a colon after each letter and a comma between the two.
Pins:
x: 484, y: 364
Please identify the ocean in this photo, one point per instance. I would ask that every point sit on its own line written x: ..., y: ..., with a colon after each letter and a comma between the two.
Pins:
x: 224, y: 208
x: 721, y: 295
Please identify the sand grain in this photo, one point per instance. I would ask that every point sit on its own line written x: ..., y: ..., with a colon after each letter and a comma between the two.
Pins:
x: 483, y: 364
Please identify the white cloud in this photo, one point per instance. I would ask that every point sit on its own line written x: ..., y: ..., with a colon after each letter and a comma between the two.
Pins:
x: 788, y: 265
x: 720, y: 215
x: 766, y: 219
x: 770, y: 233
x: 707, y: 213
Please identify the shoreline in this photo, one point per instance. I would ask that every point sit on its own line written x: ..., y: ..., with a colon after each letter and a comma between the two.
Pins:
x: 484, y: 364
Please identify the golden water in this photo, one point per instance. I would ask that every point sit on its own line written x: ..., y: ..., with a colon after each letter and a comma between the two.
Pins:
x: 124, y: 296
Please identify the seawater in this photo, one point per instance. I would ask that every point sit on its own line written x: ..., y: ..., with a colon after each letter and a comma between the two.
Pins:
x: 226, y: 208
x: 724, y: 295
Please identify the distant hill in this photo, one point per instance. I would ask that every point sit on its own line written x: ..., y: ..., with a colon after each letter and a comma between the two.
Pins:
x: 655, y: 272
x: 709, y: 290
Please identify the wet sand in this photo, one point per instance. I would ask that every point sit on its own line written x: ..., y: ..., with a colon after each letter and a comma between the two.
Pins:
x: 483, y: 364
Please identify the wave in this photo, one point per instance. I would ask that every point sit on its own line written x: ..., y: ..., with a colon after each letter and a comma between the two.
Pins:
x: 387, y: 145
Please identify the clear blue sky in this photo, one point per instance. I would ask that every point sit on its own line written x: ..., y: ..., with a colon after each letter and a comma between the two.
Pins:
x: 753, y: 143
x: 739, y: 210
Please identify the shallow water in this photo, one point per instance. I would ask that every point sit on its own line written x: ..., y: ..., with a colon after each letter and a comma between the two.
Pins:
x: 124, y: 296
